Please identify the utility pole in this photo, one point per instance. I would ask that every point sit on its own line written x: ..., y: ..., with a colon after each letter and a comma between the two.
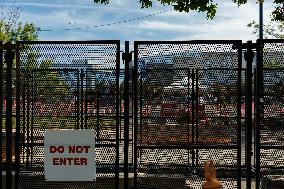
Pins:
x: 260, y: 19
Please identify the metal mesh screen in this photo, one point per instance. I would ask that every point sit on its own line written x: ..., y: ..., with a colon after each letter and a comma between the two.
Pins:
x: 188, y: 112
x: 219, y: 101
x: 66, y: 85
x: 271, y: 130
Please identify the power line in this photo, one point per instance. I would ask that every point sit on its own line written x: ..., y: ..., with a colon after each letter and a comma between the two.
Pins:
x: 102, y: 25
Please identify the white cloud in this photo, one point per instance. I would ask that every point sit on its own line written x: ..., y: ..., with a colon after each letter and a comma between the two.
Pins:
x: 163, y: 26
x: 230, y: 21
x: 53, y: 5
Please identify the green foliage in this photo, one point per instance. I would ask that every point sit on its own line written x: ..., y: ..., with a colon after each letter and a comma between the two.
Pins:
x: 46, y: 64
x: 271, y: 30
x: 180, y: 5
x: 272, y: 64
x: 31, y: 61
x: 11, y: 29
x: 278, y: 13
x: 23, y: 32
x: 27, y: 32
x: 47, y: 82
x: 13, y: 122
x: 207, y: 6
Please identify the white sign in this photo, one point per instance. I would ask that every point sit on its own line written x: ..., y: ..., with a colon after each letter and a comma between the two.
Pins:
x: 69, y: 155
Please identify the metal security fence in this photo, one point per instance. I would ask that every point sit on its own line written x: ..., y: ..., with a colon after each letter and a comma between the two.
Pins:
x: 7, y: 113
x: 269, y: 145
x: 188, y: 109
x: 67, y: 85
x: 157, y: 116
x: 1, y: 114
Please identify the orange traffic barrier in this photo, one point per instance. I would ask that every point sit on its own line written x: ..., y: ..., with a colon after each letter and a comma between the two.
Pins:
x: 210, y: 176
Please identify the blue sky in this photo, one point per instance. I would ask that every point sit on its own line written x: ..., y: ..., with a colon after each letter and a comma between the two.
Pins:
x: 230, y: 21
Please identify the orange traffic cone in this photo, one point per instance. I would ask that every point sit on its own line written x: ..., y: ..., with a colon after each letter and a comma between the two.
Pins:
x: 210, y: 176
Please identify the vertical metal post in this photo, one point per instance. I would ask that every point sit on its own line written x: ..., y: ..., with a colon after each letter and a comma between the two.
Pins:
x: 127, y: 59
x: 141, y: 89
x: 196, y: 118
x: 18, y: 119
x: 260, y: 20
x: 78, y: 99
x: 24, y: 99
x: 135, y: 96
x: 239, y: 124
x: 117, y: 113
x: 258, y: 110
x: 98, y: 115
x: 9, y: 56
x: 132, y: 113
x: 120, y: 113
x: 1, y: 113
x: 86, y: 101
x: 248, y: 107
x: 33, y: 94
x: 192, y: 115
x: 82, y: 100
x: 28, y: 117
x: 188, y: 124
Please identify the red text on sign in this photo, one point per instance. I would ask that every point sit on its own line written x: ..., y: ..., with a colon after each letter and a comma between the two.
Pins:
x: 69, y: 161
x: 79, y: 149
x: 54, y: 149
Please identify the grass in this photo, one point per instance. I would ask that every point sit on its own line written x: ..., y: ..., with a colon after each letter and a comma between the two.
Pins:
x: 13, y: 123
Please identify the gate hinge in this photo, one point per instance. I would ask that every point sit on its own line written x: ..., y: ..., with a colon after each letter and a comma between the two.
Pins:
x: 9, y: 46
x: 126, y: 56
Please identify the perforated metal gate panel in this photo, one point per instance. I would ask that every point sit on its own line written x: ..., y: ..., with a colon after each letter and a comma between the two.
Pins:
x: 189, y: 111
x: 68, y: 85
x: 269, y: 146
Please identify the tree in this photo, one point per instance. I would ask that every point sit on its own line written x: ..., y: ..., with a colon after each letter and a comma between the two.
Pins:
x: 208, y: 6
x: 273, y: 29
x: 49, y: 82
x: 12, y: 30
